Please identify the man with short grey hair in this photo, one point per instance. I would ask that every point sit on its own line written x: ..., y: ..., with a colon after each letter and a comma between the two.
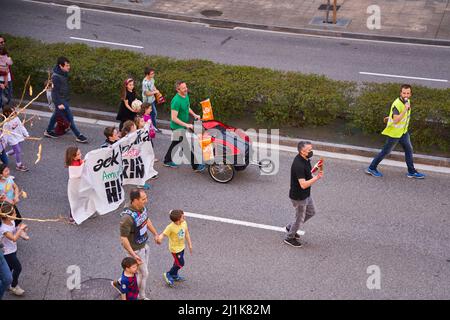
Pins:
x: 300, y: 192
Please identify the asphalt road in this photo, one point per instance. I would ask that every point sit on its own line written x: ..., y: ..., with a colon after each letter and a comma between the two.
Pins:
x: 398, y: 224
x: 336, y: 58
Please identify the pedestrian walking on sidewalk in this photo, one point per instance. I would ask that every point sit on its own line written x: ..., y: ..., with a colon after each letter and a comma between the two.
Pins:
x: 300, y: 192
x: 134, y: 228
x: 145, y: 113
x: 148, y: 93
x: 127, y: 96
x: 62, y: 125
x: 397, y: 132
x: 60, y: 97
x: 5, y: 74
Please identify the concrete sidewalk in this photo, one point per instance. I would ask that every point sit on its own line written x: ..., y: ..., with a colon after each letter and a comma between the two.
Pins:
x: 331, y: 150
x: 415, y: 21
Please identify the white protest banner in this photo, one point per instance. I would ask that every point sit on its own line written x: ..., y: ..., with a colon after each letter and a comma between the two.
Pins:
x: 138, y: 157
x: 98, y: 184
x: 81, y: 205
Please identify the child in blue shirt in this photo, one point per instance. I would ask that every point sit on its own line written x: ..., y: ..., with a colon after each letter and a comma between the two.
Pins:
x: 127, y: 285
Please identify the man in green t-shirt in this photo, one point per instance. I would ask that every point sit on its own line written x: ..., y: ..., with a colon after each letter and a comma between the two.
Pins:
x: 180, y: 109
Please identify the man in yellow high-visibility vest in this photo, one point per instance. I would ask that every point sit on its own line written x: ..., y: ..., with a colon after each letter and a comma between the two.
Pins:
x: 397, y: 132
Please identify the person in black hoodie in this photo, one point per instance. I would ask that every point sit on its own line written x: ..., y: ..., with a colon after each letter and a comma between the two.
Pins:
x: 60, y: 97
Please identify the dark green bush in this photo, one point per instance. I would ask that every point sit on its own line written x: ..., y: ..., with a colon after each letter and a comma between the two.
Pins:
x: 272, y: 98
x: 430, y: 113
x: 235, y: 91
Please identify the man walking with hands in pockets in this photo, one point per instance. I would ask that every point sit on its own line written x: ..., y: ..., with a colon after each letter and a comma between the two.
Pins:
x: 300, y: 192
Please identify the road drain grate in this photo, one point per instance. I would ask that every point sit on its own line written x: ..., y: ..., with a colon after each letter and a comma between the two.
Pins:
x: 324, y: 7
x: 211, y: 13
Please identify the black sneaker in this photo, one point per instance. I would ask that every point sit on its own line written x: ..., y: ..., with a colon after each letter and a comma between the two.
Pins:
x: 82, y: 139
x: 50, y: 134
x: 116, y: 285
x: 297, y: 236
x: 293, y: 242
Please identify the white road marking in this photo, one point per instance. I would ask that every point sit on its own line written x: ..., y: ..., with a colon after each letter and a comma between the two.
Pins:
x: 246, y: 29
x: 342, y: 38
x: 404, y: 77
x: 326, y: 154
x: 350, y: 157
x: 238, y: 222
x: 107, y: 42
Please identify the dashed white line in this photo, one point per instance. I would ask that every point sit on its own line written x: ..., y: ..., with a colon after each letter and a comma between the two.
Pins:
x: 351, y: 157
x: 238, y: 222
x: 244, y: 28
x: 107, y: 42
x: 342, y: 38
x: 398, y: 76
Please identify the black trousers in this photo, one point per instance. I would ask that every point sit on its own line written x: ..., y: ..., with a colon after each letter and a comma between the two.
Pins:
x: 177, y: 141
x: 18, y: 215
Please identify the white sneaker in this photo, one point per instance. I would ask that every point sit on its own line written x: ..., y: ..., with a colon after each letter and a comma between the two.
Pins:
x: 18, y: 291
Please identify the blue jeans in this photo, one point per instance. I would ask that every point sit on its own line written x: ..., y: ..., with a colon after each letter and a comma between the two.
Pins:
x: 67, y: 113
x: 4, y: 157
x: 8, y: 94
x: 5, y: 275
x: 9, y: 91
x: 154, y: 113
x: 405, y: 142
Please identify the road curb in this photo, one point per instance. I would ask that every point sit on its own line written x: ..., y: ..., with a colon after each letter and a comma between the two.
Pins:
x: 230, y: 24
x: 283, y: 141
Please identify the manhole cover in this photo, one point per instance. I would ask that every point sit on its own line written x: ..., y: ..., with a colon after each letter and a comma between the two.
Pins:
x: 95, y: 289
x: 211, y: 13
x: 140, y: 2
x: 324, y: 7
x: 320, y: 21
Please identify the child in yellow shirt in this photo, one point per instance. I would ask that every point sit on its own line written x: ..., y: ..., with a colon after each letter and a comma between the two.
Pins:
x: 177, y: 232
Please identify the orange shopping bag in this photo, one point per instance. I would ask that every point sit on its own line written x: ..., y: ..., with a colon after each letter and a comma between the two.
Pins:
x: 207, y: 110
x: 207, y: 147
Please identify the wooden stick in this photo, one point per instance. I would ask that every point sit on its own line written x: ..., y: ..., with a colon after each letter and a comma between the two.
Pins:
x: 334, y: 11
x: 24, y: 90
x: 60, y: 219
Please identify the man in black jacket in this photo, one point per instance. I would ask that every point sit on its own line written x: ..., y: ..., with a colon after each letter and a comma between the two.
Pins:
x: 60, y: 97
